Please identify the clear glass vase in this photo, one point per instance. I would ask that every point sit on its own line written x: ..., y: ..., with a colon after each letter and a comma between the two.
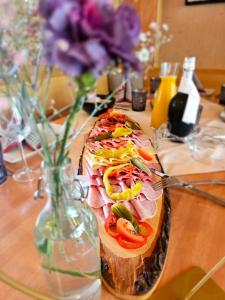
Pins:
x: 66, y: 236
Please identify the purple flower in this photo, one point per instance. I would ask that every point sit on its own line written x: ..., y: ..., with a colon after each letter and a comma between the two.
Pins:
x: 47, y: 7
x: 126, y: 35
x: 86, y: 35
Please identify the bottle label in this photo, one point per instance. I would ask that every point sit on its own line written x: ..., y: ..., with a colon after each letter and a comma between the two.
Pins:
x: 186, y: 83
x: 188, y: 87
x: 191, y: 109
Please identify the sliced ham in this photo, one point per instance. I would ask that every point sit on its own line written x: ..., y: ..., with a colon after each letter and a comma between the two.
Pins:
x: 123, y: 185
x: 117, y: 188
x: 105, y: 197
x: 95, y: 131
x: 131, y: 208
x: 101, y: 170
x: 96, y: 182
x: 106, y: 210
x: 113, y: 181
x: 93, y: 146
x: 137, y: 173
x: 91, y: 172
x: 146, y: 209
x: 141, y: 138
x: 149, y: 193
x: 94, y: 198
x: 92, y: 181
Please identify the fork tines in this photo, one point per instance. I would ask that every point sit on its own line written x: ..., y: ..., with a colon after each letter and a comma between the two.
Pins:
x: 164, y: 182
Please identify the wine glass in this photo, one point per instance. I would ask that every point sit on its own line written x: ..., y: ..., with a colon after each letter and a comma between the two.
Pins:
x: 207, y: 144
x: 14, y: 128
x: 162, y: 134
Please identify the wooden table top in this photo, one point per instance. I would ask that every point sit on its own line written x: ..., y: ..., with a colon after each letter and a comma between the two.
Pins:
x: 197, y: 235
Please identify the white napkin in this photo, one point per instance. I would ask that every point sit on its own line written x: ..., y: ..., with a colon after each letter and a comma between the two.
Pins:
x: 177, y: 158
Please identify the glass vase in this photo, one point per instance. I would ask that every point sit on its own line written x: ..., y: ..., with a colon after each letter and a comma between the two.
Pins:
x: 66, y: 235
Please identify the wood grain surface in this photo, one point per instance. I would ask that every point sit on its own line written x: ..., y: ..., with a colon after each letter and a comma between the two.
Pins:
x: 197, y: 233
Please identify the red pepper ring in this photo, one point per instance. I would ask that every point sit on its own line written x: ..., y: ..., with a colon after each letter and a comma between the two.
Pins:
x: 130, y: 245
x: 145, y: 229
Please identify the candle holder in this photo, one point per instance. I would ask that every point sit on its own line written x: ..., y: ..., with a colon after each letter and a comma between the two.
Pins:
x: 139, y: 97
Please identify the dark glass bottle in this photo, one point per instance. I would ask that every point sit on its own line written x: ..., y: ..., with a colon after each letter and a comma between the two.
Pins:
x: 175, y: 115
x: 183, y: 107
x: 3, y: 173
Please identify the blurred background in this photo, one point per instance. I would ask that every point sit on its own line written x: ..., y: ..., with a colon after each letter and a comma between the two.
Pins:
x: 197, y: 30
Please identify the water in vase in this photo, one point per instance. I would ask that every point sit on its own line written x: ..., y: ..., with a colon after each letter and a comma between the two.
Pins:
x: 72, y: 263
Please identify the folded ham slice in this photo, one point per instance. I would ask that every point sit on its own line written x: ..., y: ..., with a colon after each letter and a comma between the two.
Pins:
x: 145, y: 209
x: 148, y: 191
x: 94, y: 198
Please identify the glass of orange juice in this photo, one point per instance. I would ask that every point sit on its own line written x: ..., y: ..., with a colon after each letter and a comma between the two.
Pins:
x: 167, y: 89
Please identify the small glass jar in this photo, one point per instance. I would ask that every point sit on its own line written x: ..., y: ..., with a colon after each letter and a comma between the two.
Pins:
x: 139, y: 97
x: 222, y: 95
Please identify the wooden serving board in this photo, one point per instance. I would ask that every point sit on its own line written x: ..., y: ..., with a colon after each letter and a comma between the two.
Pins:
x: 134, y: 274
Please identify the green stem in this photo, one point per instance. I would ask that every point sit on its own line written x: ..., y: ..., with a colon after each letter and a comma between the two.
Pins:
x: 56, y: 184
x: 91, y: 275
x: 75, y: 109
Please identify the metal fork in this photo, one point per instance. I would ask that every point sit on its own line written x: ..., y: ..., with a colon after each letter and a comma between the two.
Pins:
x: 172, y: 181
x: 167, y: 181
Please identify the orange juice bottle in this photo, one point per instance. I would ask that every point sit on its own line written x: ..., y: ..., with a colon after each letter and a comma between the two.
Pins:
x: 165, y: 93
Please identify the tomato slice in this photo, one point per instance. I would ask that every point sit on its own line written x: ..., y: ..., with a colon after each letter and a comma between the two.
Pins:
x: 144, y: 154
x: 110, y: 226
x: 145, y: 229
x: 130, y: 245
x: 127, y: 231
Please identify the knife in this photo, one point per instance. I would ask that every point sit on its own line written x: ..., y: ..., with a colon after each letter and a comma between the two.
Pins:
x: 201, y: 192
